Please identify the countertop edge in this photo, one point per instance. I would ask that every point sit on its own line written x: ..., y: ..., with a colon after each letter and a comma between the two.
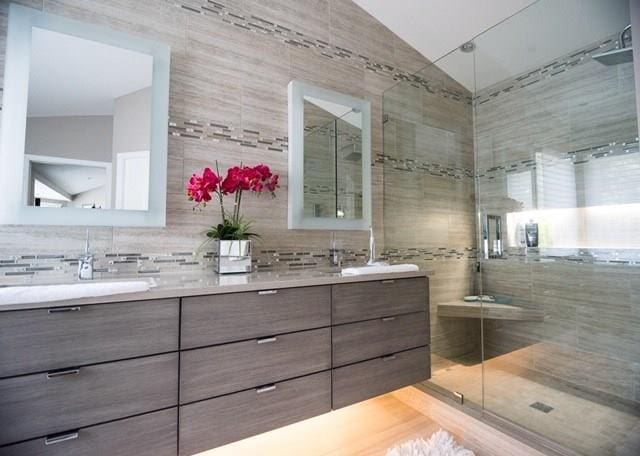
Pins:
x: 178, y: 292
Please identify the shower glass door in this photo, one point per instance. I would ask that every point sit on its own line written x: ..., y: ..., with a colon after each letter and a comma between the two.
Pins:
x: 429, y: 211
x: 557, y: 160
x: 512, y: 175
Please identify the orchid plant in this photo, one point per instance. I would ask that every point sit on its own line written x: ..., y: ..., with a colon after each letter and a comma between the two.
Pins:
x: 202, y: 188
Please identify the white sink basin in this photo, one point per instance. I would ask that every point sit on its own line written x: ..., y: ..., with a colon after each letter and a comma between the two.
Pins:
x: 64, y: 292
x: 379, y: 269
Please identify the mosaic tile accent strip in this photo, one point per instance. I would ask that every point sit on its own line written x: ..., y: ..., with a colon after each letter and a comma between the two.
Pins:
x: 326, y: 189
x: 222, y: 132
x: 18, y: 269
x: 235, y: 17
x: 324, y: 130
x: 576, y: 157
x: 620, y: 257
x: 433, y: 169
x: 428, y: 254
x: 546, y: 71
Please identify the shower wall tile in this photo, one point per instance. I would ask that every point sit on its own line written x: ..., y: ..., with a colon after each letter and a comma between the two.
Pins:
x: 450, y: 281
x: 591, y: 330
x: 353, y: 31
x: 429, y: 195
x: 587, y: 105
x: 311, y: 17
x: 562, y: 128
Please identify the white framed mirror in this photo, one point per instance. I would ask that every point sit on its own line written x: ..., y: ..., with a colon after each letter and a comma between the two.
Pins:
x: 84, y: 124
x: 329, y: 159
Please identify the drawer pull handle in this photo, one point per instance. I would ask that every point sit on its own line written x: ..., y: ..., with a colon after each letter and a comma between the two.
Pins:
x: 63, y: 309
x: 267, y: 340
x: 62, y: 373
x: 386, y: 319
x: 388, y: 281
x: 60, y: 438
x: 388, y: 358
x: 267, y: 292
x: 265, y: 389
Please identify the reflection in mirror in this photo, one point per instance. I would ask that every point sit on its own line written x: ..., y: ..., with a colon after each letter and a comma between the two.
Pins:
x: 88, y: 129
x: 329, y: 159
x: 332, y: 160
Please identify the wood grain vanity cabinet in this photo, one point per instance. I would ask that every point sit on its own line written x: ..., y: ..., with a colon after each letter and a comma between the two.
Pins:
x: 380, y: 338
x: 360, y: 381
x: 225, y: 419
x: 45, y: 339
x: 376, y: 299
x: 151, y: 434
x: 209, y: 320
x: 48, y: 403
x: 353, y: 342
x: 214, y: 371
x: 182, y: 375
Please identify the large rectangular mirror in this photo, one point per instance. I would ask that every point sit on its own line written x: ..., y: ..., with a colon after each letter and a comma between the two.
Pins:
x: 329, y: 159
x: 84, y: 124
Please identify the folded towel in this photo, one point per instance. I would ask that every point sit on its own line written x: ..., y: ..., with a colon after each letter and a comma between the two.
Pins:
x: 46, y: 293
x: 380, y: 269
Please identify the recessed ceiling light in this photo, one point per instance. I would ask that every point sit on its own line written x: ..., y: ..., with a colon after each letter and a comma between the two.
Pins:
x: 469, y: 46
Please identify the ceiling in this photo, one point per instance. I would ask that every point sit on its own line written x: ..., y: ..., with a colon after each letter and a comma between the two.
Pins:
x: 545, y: 30
x: 71, y: 76
x: 72, y: 179
x: 338, y: 111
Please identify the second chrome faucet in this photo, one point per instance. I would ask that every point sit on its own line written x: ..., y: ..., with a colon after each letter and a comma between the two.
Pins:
x: 85, y: 262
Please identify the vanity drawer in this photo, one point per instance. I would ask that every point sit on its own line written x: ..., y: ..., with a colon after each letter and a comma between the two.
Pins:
x: 153, y: 434
x: 55, y: 338
x: 213, y: 371
x: 216, y: 319
x: 43, y: 404
x: 364, y: 340
x: 368, y: 379
x: 381, y: 298
x: 215, y: 422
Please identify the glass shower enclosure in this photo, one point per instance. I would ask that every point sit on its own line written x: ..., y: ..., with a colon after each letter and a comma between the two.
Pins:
x: 512, y: 175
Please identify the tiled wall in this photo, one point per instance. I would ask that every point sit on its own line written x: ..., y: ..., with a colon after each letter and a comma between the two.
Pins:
x: 429, y: 197
x: 576, y: 113
x: 231, y: 61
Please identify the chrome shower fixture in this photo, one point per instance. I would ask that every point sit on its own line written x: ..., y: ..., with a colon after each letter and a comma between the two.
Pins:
x: 623, y: 54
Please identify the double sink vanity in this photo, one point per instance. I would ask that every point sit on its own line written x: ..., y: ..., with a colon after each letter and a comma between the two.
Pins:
x: 180, y: 370
x: 188, y: 365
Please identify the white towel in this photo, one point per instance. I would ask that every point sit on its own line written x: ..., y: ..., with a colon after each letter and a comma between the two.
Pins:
x: 380, y: 269
x: 46, y: 293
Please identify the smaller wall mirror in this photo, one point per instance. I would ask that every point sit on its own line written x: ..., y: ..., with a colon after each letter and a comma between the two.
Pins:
x: 84, y: 124
x: 329, y: 159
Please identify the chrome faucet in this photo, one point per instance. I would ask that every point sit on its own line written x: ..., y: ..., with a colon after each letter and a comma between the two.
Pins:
x: 85, y: 262
x: 335, y: 256
x: 372, y: 251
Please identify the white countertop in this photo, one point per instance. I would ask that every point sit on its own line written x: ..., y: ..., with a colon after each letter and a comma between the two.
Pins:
x: 199, y: 283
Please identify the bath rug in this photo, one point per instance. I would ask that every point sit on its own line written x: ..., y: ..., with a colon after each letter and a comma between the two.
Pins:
x: 441, y: 443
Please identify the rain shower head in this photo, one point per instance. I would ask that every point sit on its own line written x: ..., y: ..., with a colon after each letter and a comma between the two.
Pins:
x: 617, y: 56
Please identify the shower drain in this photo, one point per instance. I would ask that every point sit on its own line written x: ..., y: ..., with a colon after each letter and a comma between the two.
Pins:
x: 542, y: 407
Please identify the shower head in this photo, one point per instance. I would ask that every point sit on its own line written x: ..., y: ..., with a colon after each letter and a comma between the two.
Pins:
x: 616, y: 56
